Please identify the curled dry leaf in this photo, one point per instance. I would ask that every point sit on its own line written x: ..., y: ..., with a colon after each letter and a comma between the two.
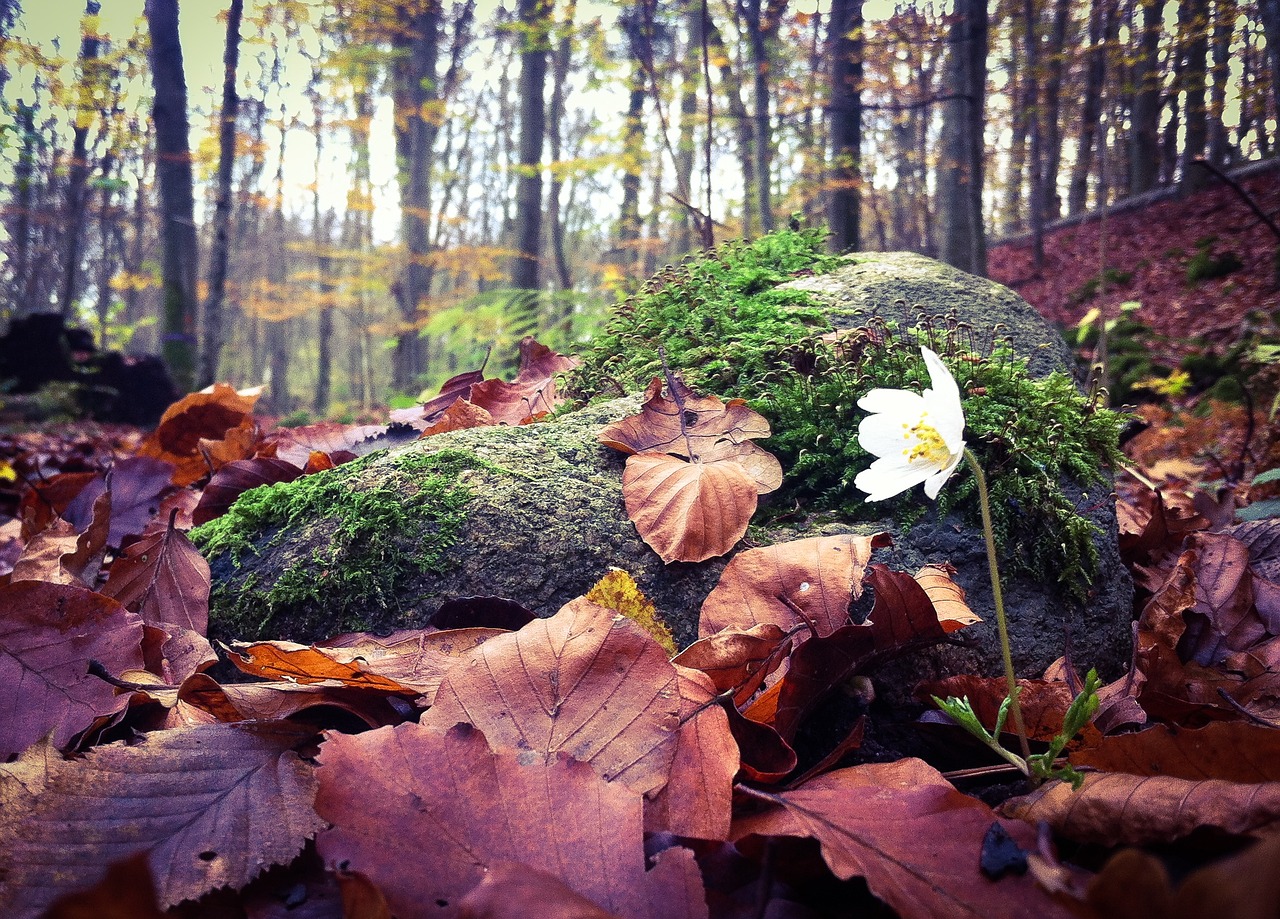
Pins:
x: 298, y: 445
x: 819, y: 576
x: 737, y: 659
x: 234, y: 479
x: 199, y: 416
x: 416, y: 659
x: 49, y: 633
x: 137, y: 486
x: 309, y: 664
x: 947, y: 597
x: 419, y: 795
x: 277, y: 700
x: 712, y: 431
x: 586, y: 682
x: 458, y: 416
x: 910, y: 834
x: 1115, y: 808
x: 213, y: 805
x: 687, y: 512
x: 532, y: 392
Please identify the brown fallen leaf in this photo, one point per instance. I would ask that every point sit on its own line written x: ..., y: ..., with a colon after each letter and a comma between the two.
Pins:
x: 277, y: 700
x: 1136, y: 885
x: 947, y: 597
x: 459, y: 416
x: 687, y: 512
x: 213, y: 805
x: 1044, y: 703
x: 509, y: 889
x: 697, y: 799
x: 137, y: 485
x: 586, y: 682
x: 164, y: 580
x: 49, y: 634
x: 738, y: 659
x: 820, y: 577
x: 415, y: 794
x: 1234, y: 752
x: 909, y: 833
x: 207, y: 415
x: 126, y: 891
x: 308, y: 664
x: 234, y: 479
x: 1115, y: 808
x: 532, y: 391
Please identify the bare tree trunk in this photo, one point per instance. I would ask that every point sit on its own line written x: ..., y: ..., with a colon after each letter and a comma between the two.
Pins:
x: 628, y: 233
x: 177, y: 194
x: 763, y: 22
x: 1144, y: 161
x: 743, y: 126
x: 1269, y: 11
x: 561, y: 59
x: 220, y: 252
x: 963, y: 242
x: 24, y: 195
x: 689, y: 77
x: 1035, y: 118
x: 1193, y: 29
x: 88, y: 82
x: 535, y: 22
x: 1224, y: 29
x: 1103, y: 24
x: 1051, y: 123
x: 844, y: 175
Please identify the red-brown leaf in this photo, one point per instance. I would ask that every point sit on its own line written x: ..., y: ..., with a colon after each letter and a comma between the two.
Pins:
x: 459, y: 416
x: 509, y: 889
x: 420, y: 795
x: 735, y: 658
x: 164, y: 580
x: 913, y: 837
x: 687, y: 512
x: 1234, y: 752
x: 820, y: 576
x: 214, y: 805
x: 199, y: 416
x: 531, y: 392
x: 48, y: 635
x: 234, y: 479
x: 586, y: 682
x: 1116, y: 808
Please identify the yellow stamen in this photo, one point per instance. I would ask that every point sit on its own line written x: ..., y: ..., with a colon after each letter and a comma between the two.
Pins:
x: 929, y: 445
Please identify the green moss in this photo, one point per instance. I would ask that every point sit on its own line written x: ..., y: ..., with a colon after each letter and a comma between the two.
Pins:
x: 728, y: 332
x: 376, y: 537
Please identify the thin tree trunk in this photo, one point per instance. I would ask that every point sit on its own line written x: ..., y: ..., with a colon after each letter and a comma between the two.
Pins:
x: 535, y: 21
x: 1035, y: 118
x: 963, y: 242
x: 1103, y: 22
x: 1051, y: 123
x: 1269, y: 11
x: 24, y: 200
x: 88, y: 83
x: 177, y: 194
x: 1144, y: 161
x: 1224, y: 29
x: 844, y: 175
x: 561, y: 59
x: 220, y: 252
x: 686, y: 239
x: 1193, y: 21
x: 628, y: 232
x: 743, y: 126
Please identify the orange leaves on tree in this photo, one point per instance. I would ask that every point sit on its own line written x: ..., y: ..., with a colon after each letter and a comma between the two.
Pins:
x: 425, y: 795
x: 212, y: 805
x: 49, y: 634
x: 909, y: 833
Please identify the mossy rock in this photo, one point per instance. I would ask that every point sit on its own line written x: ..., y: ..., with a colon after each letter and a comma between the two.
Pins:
x: 536, y: 515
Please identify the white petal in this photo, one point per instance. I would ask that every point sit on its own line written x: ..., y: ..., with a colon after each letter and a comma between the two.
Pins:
x: 886, y: 478
x: 892, y: 402
x: 947, y: 418
x: 940, y: 379
x: 933, y: 484
x: 887, y: 435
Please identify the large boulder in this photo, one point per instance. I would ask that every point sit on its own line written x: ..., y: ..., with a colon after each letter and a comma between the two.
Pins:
x: 536, y: 515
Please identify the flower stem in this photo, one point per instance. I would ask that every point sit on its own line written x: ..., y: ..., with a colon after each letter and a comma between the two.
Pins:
x: 1015, y: 709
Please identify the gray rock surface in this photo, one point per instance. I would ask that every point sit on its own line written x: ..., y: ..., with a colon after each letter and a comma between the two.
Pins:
x: 547, y: 519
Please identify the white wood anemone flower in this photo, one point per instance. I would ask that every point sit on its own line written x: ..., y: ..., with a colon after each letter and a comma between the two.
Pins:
x: 916, y: 437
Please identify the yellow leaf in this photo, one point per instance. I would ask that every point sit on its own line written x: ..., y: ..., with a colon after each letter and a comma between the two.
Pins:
x: 619, y: 592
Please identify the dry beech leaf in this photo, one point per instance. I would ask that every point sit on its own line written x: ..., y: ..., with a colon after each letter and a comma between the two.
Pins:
x: 947, y: 597
x: 137, y: 483
x: 533, y: 391
x: 1234, y: 752
x: 697, y: 800
x: 199, y: 416
x: 586, y: 682
x: 50, y: 556
x: 454, y: 388
x: 459, y: 416
x: 712, y: 431
x: 416, y: 659
x: 1136, y: 885
x: 277, y: 700
x: 419, y: 795
x: 308, y: 664
x: 298, y: 445
x: 1114, y: 808
x: 910, y: 834
x: 164, y: 580
x: 820, y: 576
x: 737, y: 658
x: 214, y: 805
x: 48, y: 635
x: 234, y: 479
x: 509, y: 889
x: 126, y: 891
x: 687, y: 512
